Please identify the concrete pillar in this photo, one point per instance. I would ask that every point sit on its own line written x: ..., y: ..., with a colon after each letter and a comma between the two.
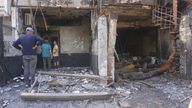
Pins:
x: 94, y: 46
x: 1, y: 38
x: 111, y: 44
x: 186, y: 49
x: 15, y: 23
x: 102, y: 45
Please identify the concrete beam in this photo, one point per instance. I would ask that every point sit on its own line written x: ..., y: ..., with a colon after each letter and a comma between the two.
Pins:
x: 66, y: 96
x: 134, y: 11
x: 73, y: 75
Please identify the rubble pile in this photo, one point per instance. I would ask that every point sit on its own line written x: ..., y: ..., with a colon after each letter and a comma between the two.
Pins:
x: 76, y: 70
x: 175, y: 89
x: 61, y: 84
x: 3, y: 103
x: 48, y: 84
x: 14, y: 85
x: 138, y: 67
x: 141, y: 62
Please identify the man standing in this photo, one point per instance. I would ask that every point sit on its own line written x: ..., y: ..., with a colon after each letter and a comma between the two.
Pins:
x: 27, y: 44
x: 46, y: 54
x: 55, y: 55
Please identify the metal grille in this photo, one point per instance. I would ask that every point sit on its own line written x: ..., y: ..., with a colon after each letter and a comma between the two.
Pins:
x: 163, y: 17
x: 28, y: 20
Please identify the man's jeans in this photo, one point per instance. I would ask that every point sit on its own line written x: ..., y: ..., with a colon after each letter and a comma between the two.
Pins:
x: 30, y: 62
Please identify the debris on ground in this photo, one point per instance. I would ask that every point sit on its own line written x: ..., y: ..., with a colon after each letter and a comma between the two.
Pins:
x: 165, y: 91
x: 4, y: 103
x: 124, y: 105
x: 138, y: 68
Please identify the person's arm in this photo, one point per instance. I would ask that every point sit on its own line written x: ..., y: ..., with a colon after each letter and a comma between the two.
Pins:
x: 50, y: 51
x: 39, y: 40
x: 17, y: 43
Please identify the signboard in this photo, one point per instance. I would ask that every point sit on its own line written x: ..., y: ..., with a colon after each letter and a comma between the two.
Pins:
x: 55, y: 3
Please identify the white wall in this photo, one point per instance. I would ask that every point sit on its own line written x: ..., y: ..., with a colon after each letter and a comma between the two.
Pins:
x: 75, y: 39
x: 5, y: 7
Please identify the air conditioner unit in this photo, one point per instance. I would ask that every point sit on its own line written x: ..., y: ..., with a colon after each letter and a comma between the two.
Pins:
x: 28, y: 19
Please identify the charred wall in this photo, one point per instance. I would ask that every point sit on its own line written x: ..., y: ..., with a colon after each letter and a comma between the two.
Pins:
x: 94, y: 38
x: 9, y: 38
x: 165, y: 44
x: 9, y: 66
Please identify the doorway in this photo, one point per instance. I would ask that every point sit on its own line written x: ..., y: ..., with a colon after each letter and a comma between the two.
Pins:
x: 51, y: 35
x: 136, y: 43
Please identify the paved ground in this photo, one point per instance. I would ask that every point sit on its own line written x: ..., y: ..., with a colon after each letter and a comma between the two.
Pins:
x: 165, y: 91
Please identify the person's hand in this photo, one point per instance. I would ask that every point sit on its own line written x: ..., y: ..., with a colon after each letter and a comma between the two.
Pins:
x: 35, y: 47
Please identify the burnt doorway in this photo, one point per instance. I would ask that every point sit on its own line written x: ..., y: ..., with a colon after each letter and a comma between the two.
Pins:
x: 137, y: 41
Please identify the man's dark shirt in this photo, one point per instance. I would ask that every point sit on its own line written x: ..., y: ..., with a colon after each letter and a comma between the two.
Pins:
x: 27, y: 43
